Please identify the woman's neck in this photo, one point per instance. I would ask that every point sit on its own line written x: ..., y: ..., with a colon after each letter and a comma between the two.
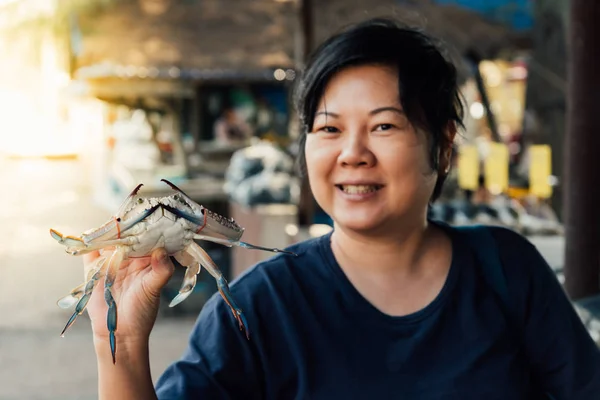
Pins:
x: 397, y: 253
x: 399, y: 274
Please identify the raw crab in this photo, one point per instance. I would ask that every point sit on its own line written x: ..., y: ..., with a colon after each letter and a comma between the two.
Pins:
x: 142, y: 225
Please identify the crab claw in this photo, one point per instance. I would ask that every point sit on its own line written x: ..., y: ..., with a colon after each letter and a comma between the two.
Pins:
x: 69, y: 241
x: 56, y: 235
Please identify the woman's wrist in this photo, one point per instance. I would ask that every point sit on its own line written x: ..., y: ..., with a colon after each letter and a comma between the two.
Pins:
x: 130, y: 349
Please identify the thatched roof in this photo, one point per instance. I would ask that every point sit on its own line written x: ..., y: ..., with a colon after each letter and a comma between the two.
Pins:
x: 252, y: 35
x: 207, y: 34
x: 461, y: 30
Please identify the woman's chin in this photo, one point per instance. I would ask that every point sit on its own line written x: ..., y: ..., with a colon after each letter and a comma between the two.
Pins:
x: 359, y: 225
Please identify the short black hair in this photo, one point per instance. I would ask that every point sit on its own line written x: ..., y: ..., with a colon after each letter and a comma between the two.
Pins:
x: 428, y: 81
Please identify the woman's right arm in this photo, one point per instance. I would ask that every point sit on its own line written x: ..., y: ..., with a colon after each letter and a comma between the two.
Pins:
x: 129, y: 378
x: 219, y: 362
x: 136, y: 291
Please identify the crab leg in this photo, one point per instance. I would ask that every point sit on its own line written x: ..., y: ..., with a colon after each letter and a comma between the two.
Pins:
x: 202, y: 256
x: 115, y: 227
x: 76, y: 246
x: 229, y: 243
x: 78, y: 291
x: 189, y: 280
x: 100, y: 237
x: 87, y: 294
x: 111, y: 318
x: 73, y: 297
x: 128, y: 241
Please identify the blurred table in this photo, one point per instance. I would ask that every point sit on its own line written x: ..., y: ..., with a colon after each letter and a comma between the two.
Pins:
x: 264, y: 226
x: 589, y: 312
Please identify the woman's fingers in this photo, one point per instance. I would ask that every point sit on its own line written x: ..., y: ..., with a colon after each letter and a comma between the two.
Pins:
x: 161, y: 268
x: 161, y: 272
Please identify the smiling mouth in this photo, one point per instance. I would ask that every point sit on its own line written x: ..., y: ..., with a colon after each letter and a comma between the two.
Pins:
x: 359, y: 189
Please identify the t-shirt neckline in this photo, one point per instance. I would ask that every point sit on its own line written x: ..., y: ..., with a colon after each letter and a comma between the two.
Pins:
x: 361, y: 306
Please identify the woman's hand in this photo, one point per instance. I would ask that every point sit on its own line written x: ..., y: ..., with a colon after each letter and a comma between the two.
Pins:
x: 136, y: 291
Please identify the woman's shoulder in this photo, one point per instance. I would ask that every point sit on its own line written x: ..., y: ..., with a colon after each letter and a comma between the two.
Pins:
x: 508, y: 238
x: 525, y: 268
x: 517, y: 251
x: 520, y: 259
x: 509, y: 244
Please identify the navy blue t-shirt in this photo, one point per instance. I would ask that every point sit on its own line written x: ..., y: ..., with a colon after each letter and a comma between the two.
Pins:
x: 313, y: 336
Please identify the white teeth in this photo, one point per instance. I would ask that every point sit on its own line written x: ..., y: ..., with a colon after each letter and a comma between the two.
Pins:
x: 358, y: 189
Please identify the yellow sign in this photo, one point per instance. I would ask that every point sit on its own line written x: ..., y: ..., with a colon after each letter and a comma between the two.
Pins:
x: 496, y: 168
x: 540, y: 170
x: 468, y: 167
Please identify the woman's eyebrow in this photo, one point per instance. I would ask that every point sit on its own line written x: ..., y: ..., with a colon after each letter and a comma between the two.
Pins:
x: 389, y: 108
x: 327, y: 113
x: 372, y: 112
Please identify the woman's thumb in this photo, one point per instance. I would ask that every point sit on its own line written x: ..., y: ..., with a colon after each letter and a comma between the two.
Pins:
x: 162, y: 270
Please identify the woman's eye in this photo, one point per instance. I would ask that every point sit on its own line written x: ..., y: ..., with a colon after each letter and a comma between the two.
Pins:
x: 329, y: 129
x: 384, y: 127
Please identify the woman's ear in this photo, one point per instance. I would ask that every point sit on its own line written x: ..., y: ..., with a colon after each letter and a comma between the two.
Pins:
x: 451, y: 132
x: 447, y: 148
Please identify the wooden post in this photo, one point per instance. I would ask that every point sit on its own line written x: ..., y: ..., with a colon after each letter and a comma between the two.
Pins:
x: 582, y: 144
x: 545, y: 97
x: 305, y: 31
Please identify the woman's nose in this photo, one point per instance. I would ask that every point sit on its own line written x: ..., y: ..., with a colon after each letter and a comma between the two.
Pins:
x: 356, y: 151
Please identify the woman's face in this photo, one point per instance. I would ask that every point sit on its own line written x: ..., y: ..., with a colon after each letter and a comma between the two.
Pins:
x: 367, y: 165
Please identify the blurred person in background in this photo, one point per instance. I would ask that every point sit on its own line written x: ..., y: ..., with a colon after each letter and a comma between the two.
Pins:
x: 230, y: 128
x: 387, y: 305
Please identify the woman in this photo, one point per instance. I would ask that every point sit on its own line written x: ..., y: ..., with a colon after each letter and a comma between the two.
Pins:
x: 388, y: 305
